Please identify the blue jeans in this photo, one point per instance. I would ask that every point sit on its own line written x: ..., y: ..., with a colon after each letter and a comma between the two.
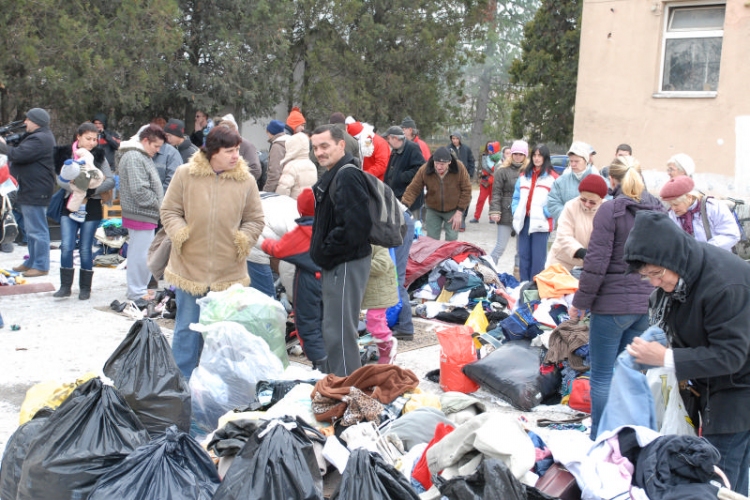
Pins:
x: 261, y: 278
x: 735, y: 457
x: 404, y: 324
x: 532, y: 249
x: 21, y: 228
x: 187, y: 344
x: 70, y: 230
x: 608, y: 337
x: 37, y: 236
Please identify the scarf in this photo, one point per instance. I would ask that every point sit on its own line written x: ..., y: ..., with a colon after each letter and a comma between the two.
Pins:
x: 660, y: 312
x: 686, y: 220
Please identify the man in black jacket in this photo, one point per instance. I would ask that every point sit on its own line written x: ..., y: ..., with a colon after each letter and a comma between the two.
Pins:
x: 175, y: 132
x: 464, y: 154
x: 33, y: 166
x: 108, y: 141
x: 340, y: 246
x: 701, y: 303
x: 405, y: 160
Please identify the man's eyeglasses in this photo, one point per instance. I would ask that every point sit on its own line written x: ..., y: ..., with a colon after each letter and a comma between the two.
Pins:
x: 588, y: 202
x: 654, y: 275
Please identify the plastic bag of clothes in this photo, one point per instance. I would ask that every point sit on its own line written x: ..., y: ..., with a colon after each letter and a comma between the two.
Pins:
x: 144, y: 371
x: 257, y: 312
x: 231, y: 363
x: 86, y: 437
x: 171, y: 466
x: 512, y: 373
x: 492, y: 479
x: 48, y: 394
x: 15, y: 453
x: 456, y: 351
x: 276, y: 463
x: 368, y: 476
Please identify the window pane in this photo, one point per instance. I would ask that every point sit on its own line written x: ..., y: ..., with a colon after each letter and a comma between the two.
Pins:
x: 697, y: 18
x: 692, y: 64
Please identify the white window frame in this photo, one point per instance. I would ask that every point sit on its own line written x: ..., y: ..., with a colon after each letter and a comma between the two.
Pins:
x: 667, y: 35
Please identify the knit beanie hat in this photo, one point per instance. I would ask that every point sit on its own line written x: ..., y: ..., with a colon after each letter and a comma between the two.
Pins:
x: 175, y: 127
x: 676, y: 187
x: 408, y: 123
x: 306, y: 203
x: 441, y: 154
x: 684, y: 162
x: 593, y: 184
x: 295, y: 118
x: 230, y: 118
x: 493, y: 147
x: 581, y: 149
x: 275, y: 127
x: 354, y: 128
x: 520, y: 147
x: 38, y: 116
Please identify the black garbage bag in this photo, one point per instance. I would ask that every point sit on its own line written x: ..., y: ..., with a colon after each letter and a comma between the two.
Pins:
x: 91, y: 432
x: 228, y: 441
x: 15, y: 453
x: 270, y: 392
x: 276, y: 463
x: 512, y: 373
x: 491, y: 480
x: 144, y: 371
x: 368, y: 476
x: 173, y: 466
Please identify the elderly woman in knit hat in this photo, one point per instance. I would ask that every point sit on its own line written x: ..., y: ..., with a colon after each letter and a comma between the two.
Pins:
x: 691, y: 210
x: 576, y: 223
x: 680, y: 165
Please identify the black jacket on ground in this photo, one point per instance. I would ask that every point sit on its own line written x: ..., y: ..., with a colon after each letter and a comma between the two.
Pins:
x: 341, y: 228
x: 402, y: 167
x: 710, y: 330
x: 32, y: 164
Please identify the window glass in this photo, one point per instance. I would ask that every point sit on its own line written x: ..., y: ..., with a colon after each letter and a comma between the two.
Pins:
x: 697, y: 18
x: 692, y: 64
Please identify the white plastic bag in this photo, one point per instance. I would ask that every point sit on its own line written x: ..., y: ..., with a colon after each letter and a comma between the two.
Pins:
x: 231, y: 363
x: 671, y: 416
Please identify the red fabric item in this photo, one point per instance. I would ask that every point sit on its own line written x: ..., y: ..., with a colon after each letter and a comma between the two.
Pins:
x: 461, y: 257
x: 4, y: 173
x: 580, y: 395
x: 294, y: 242
x: 378, y: 162
x: 426, y: 153
x: 421, y: 472
x: 485, y: 192
x: 534, y: 177
x: 306, y: 203
x: 426, y: 253
x: 354, y: 128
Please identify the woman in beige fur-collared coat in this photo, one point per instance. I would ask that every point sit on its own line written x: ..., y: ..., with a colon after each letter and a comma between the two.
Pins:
x: 213, y: 215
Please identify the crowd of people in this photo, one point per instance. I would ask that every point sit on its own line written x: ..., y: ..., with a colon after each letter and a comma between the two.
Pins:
x: 219, y: 205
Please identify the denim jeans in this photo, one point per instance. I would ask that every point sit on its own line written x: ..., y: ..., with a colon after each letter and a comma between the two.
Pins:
x: 70, y: 230
x: 37, y: 236
x: 404, y: 324
x: 21, y: 228
x: 187, y: 344
x: 532, y: 249
x: 261, y: 278
x: 735, y: 457
x: 608, y: 337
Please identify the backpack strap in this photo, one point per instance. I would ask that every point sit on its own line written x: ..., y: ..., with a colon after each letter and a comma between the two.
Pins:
x: 332, y: 185
x: 704, y: 218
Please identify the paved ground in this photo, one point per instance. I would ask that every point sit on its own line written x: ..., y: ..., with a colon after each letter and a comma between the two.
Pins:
x: 60, y: 339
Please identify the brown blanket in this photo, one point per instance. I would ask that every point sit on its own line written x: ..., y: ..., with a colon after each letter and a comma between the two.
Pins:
x: 564, y: 340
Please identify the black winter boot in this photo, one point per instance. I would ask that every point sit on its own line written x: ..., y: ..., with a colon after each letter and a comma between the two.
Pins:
x: 84, y: 283
x: 66, y: 281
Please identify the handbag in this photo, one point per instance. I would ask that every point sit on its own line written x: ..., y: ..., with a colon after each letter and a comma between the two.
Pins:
x: 56, y: 203
x: 9, y: 225
x: 558, y: 482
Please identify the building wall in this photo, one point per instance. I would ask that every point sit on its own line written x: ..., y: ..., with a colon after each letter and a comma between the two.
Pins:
x: 618, y: 77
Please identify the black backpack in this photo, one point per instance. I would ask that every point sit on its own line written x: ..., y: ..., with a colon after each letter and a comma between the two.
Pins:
x: 387, y: 213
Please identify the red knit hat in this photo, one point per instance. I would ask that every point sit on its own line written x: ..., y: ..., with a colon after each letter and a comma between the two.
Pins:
x: 306, y: 203
x: 676, y: 187
x: 295, y: 118
x: 593, y: 183
x: 354, y: 128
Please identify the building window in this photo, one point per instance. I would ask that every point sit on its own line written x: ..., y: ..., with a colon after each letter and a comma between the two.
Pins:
x: 692, y: 48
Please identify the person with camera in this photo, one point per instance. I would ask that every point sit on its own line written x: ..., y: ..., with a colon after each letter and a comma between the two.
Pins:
x: 32, y: 164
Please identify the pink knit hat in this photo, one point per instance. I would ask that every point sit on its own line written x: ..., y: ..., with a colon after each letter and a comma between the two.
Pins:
x: 520, y: 147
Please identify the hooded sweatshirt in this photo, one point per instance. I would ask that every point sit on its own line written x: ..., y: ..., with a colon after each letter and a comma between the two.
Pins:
x: 709, y: 331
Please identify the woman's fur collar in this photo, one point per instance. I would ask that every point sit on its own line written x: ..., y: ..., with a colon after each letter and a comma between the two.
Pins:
x: 200, y: 167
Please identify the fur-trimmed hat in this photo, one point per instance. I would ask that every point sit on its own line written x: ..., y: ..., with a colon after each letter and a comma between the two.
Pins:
x: 676, y: 187
x: 354, y: 129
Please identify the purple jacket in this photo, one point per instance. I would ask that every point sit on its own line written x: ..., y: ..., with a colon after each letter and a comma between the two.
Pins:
x: 604, y: 288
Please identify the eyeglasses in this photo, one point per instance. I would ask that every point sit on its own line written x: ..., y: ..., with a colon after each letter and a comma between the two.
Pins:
x: 656, y: 275
x: 588, y: 202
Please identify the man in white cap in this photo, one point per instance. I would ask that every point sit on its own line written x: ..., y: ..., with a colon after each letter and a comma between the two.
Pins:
x: 565, y: 187
x: 32, y: 164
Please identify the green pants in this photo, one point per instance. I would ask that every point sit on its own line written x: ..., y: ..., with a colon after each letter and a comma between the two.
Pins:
x: 435, y: 221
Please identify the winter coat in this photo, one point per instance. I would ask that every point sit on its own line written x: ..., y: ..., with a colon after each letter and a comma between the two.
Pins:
x: 186, y: 150
x: 213, y: 220
x: 604, y: 287
x: 167, y: 160
x: 377, y: 162
x: 573, y: 233
x: 464, y: 154
x: 279, y: 215
x: 32, y: 164
x: 423, y: 147
x: 94, y: 202
x: 341, y: 229
x: 503, y: 188
x: 298, y: 171
x: 141, y: 191
x: 250, y: 154
x: 539, y: 219
x: 708, y: 332
x: 402, y: 167
x: 382, y: 286
x: 565, y: 189
x: 444, y: 194
x: 725, y: 233
x: 276, y: 154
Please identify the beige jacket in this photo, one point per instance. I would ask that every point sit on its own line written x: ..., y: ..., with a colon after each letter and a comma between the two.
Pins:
x: 573, y: 233
x: 298, y: 171
x: 213, y: 221
x: 382, y: 287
